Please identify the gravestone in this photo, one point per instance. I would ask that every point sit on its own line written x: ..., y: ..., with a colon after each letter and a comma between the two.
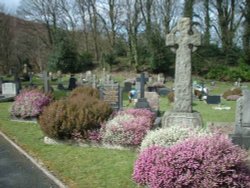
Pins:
x: 9, y: 89
x: 164, y: 91
x: 183, y: 40
x: 160, y: 78
x: 127, y: 86
x: 138, y: 82
x: 241, y: 134
x: 142, y: 101
x: 17, y: 80
x: 88, y: 76
x: 46, y: 82
x: 72, y: 83
x: 215, y: 99
x: 111, y: 93
x: 94, y: 81
x: 30, y: 78
x: 154, y: 101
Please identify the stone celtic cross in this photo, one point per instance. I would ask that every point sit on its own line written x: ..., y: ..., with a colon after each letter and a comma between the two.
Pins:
x: 183, y: 40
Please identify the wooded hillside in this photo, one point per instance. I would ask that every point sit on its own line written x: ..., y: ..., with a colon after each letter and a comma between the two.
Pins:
x: 76, y: 35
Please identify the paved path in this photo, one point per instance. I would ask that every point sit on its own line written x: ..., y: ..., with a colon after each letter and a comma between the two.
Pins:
x: 16, y: 171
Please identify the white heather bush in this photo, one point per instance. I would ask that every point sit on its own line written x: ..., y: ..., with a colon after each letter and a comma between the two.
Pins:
x: 127, y: 128
x: 170, y: 135
x: 30, y: 103
x: 113, y: 132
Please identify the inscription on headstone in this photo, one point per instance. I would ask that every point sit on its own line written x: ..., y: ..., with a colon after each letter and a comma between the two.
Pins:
x: 111, y: 93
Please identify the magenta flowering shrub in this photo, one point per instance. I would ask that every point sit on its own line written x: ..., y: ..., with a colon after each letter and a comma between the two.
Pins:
x: 92, y: 136
x: 128, y: 127
x: 203, y: 162
x: 233, y: 97
x: 30, y: 103
x: 147, y: 114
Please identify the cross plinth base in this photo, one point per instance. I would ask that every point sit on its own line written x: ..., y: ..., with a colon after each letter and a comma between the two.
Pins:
x: 182, y: 119
x: 142, y: 103
x: 241, y: 140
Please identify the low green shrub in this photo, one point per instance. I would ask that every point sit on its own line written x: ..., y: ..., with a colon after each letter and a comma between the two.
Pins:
x: 65, y: 118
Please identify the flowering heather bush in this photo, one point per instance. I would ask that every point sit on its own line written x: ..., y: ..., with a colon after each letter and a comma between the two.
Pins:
x: 233, y: 97
x: 203, y: 162
x: 30, y: 103
x: 140, y: 113
x: 91, y: 136
x: 170, y: 135
x: 128, y: 127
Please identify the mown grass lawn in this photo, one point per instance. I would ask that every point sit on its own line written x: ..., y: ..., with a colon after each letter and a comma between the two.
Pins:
x: 76, y: 166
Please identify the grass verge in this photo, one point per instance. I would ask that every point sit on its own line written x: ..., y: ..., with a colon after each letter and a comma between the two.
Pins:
x: 76, y: 166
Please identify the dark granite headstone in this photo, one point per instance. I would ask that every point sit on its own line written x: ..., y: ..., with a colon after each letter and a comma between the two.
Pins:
x: 151, y: 89
x: 72, y: 83
x: 127, y: 86
x: 111, y: 93
x: 163, y: 91
x: 60, y: 86
x: 215, y: 99
x: 142, y: 101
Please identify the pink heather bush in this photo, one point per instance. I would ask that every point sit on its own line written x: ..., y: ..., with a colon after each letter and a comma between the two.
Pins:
x: 233, y: 97
x: 203, y: 162
x: 140, y: 113
x: 128, y: 127
x: 30, y: 103
x: 92, y: 136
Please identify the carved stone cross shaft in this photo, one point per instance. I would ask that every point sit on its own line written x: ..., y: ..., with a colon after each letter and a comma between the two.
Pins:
x: 183, y: 40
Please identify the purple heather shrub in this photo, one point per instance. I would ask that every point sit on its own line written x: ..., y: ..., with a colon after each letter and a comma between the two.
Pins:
x: 128, y: 127
x: 202, y: 162
x: 139, y: 113
x: 30, y: 103
x: 94, y: 136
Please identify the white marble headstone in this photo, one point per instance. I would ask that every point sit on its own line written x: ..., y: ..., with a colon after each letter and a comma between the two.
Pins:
x: 9, y: 89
